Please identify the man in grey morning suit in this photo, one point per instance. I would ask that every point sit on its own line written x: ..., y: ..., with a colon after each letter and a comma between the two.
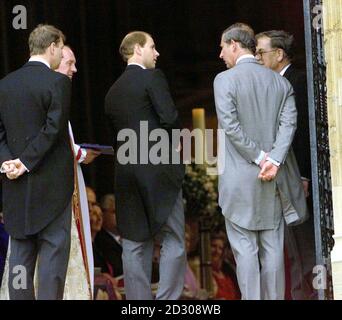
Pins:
x: 260, y: 186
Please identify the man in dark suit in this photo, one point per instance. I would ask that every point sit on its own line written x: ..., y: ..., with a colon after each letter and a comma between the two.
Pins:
x: 275, y: 50
x: 148, y: 193
x: 35, y: 154
x: 107, y: 243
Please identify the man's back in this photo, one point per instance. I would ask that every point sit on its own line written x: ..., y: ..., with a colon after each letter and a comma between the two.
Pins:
x: 260, y: 187
x: 259, y: 96
x: 34, y: 109
x: 131, y: 99
x: 143, y: 189
x: 25, y: 95
x: 259, y: 115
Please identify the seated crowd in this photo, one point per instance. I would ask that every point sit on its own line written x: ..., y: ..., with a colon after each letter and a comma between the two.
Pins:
x: 107, y: 250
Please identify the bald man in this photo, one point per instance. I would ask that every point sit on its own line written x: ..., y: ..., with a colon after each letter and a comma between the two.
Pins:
x: 84, y: 156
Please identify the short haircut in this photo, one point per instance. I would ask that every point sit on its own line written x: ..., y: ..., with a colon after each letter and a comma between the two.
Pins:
x: 219, y: 234
x: 42, y: 37
x: 242, y: 33
x: 108, y: 201
x: 67, y: 46
x: 280, y: 39
x: 130, y: 40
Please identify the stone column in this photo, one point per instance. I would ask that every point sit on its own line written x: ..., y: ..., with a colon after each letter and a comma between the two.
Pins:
x: 332, y: 22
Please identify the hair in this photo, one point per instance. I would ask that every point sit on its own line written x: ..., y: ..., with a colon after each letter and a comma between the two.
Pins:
x: 98, y: 209
x: 280, y: 39
x: 42, y: 37
x: 108, y: 201
x: 130, y: 40
x: 242, y: 33
x: 219, y: 236
x: 67, y: 46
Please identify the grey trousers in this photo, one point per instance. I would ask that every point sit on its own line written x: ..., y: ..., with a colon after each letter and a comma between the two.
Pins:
x: 259, y: 257
x: 51, y: 248
x: 137, y: 260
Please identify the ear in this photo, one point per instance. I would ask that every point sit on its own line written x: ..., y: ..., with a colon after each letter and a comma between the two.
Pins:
x: 52, y: 48
x: 234, y: 45
x: 137, y: 49
x: 280, y: 55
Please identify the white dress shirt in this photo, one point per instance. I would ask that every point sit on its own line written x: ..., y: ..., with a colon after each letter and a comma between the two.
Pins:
x: 39, y: 59
x: 282, y: 72
x: 245, y: 56
x: 136, y: 64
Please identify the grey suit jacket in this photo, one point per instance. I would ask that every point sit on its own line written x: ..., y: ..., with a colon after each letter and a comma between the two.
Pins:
x: 256, y: 109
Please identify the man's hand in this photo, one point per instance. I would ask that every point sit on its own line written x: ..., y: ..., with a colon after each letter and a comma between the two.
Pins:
x: 306, y: 187
x: 262, y: 162
x: 268, y: 171
x: 91, y: 155
x: 15, y: 168
x: 7, y: 167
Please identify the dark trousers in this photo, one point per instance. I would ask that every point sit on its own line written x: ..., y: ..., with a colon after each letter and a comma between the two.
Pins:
x: 49, y: 251
x: 3, y: 249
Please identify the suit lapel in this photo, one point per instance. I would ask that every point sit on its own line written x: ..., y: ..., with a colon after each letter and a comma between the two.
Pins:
x: 289, y: 71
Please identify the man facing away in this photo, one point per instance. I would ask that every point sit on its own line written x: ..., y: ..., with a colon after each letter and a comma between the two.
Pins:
x: 148, y: 195
x: 36, y: 156
x: 260, y: 186
x: 275, y: 50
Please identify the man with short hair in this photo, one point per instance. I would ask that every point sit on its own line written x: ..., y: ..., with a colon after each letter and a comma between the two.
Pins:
x: 80, y: 203
x: 108, y: 241
x: 260, y: 186
x: 275, y: 50
x: 36, y: 156
x: 148, y: 195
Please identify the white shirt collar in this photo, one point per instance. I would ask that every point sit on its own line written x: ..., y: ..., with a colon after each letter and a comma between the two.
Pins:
x: 116, y: 237
x: 282, y: 72
x: 39, y: 59
x: 136, y: 64
x: 245, y: 56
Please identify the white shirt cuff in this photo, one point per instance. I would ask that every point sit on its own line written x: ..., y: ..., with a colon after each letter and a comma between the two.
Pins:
x: 261, y: 156
x: 83, y: 155
x: 24, y: 166
x: 276, y: 163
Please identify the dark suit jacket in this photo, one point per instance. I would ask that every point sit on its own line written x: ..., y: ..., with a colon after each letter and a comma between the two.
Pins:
x: 303, y: 235
x: 301, y: 141
x: 34, y: 112
x: 145, y: 193
x: 107, y: 254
